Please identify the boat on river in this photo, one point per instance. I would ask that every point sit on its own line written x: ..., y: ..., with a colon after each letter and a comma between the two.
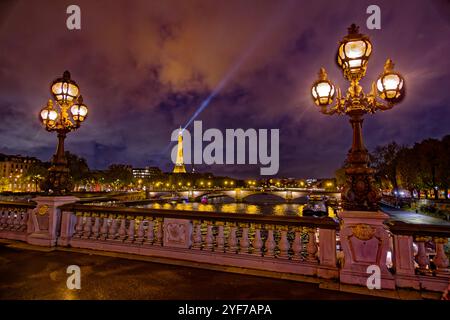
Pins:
x: 315, y: 208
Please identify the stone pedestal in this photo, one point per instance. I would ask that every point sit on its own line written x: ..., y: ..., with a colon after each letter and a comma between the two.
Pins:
x: 46, y: 220
x: 365, y: 241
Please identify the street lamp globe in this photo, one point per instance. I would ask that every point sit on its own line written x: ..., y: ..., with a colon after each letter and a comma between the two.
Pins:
x: 323, y: 90
x: 79, y: 110
x: 48, y: 115
x: 64, y: 90
x: 390, y: 84
x: 353, y: 53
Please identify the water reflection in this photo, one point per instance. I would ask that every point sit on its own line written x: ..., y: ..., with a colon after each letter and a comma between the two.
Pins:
x: 276, y: 209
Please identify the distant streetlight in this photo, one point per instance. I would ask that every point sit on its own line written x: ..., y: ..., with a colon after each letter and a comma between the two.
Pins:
x: 353, y: 55
x: 67, y: 95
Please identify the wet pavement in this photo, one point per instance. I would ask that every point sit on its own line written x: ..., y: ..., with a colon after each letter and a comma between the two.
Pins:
x: 412, y: 217
x: 29, y: 274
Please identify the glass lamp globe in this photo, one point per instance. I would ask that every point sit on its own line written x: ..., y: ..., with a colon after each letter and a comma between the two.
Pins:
x: 323, y: 90
x: 390, y: 85
x: 64, y: 90
x: 48, y: 115
x: 79, y: 110
x: 353, y: 53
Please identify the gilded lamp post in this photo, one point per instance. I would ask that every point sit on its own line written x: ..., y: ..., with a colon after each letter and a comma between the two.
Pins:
x: 66, y: 93
x: 353, y: 55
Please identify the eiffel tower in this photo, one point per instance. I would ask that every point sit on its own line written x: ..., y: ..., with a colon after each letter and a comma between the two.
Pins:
x: 179, y: 164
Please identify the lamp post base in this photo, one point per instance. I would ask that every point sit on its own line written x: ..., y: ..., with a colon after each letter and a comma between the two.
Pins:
x: 58, y: 181
x: 359, y: 192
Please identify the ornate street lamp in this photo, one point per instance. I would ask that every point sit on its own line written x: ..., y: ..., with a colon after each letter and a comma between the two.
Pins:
x: 353, y: 55
x: 67, y: 95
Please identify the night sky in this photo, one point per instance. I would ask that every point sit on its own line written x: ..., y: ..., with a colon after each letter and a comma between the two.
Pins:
x: 144, y: 68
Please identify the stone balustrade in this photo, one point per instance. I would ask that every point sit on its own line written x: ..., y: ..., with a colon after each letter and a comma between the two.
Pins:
x: 286, y: 244
x: 420, y: 260
x: 14, y: 220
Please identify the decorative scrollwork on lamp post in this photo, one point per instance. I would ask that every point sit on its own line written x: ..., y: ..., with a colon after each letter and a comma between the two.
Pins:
x: 353, y: 55
x: 66, y: 93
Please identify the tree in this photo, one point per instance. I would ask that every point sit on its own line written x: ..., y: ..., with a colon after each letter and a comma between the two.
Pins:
x: 407, y: 170
x: 444, y: 165
x: 384, y: 161
x: 429, y: 153
x: 119, y: 175
x: 78, y: 167
x: 36, y: 173
x: 340, y: 177
x: 4, y: 184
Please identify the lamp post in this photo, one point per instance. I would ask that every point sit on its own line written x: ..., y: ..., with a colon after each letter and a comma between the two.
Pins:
x: 353, y: 54
x: 66, y: 93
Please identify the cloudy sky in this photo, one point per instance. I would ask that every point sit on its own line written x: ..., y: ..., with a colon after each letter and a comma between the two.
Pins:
x: 145, y: 67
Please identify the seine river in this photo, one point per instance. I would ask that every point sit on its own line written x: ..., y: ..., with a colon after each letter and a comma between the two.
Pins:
x: 257, y: 204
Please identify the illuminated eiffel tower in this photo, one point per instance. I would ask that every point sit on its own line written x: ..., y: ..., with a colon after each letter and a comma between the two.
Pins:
x: 179, y: 164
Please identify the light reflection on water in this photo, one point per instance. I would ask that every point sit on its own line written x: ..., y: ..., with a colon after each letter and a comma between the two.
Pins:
x: 276, y: 209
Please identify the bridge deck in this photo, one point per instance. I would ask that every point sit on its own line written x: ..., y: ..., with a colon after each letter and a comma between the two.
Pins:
x: 412, y: 217
x: 28, y: 274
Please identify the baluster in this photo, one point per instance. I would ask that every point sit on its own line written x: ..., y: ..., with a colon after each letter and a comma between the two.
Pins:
x: 130, y: 232
x: 244, y: 243
x: 257, y: 241
x: 270, y: 243
x: 311, y: 247
x: 197, y: 235
x: 220, y: 239
x: 440, y: 260
x: 159, y: 232
x: 2, y: 220
x: 13, y: 220
x: 284, y: 243
x: 112, y: 232
x: 232, y: 240
x: 209, y: 238
x: 79, y: 226
x: 297, y: 246
x: 422, y: 257
x: 87, y: 227
x: 150, y: 231
x: 23, y: 222
x: 16, y: 220
x: 123, y: 228
x: 9, y: 220
x: 140, y: 231
x: 96, y: 228
x: 104, y: 228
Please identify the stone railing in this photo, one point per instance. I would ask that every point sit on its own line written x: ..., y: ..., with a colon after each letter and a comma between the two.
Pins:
x: 298, y: 245
x: 420, y: 260
x: 14, y: 217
